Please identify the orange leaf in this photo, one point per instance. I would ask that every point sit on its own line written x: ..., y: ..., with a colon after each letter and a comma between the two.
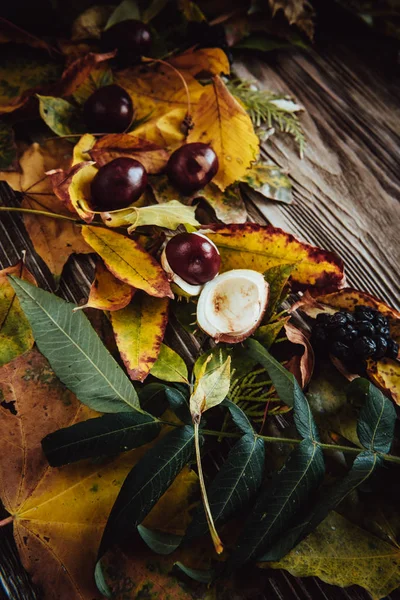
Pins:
x: 260, y: 247
x: 76, y: 73
x: 139, y: 331
x: 219, y: 120
x: 53, y: 240
x: 210, y: 61
x: 107, y: 292
x: 156, y: 91
x: 153, y: 157
x: 128, y: 261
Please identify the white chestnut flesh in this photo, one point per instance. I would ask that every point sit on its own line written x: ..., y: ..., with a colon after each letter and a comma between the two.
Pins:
x: 232, y: 305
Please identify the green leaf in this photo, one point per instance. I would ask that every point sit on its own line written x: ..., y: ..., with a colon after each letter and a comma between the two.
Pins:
x: 267, y: 334
x: 75, y: 352
x: 267, y: 179
x: 62, y: 117
x: 152, y: 398
x: 169, y: 215
x: 211, y: 388
x: 146, y: 483
x: 288, y: 390
x: 236, y: 483
x: 239, y: 417
x: 169, y: 366
x: 199, y: 575
x: 278, y: 278
x: 377, y: 417
x: 280, y: 501
x: 8, y: 149
x: 128, y: 9
x: 214, y: 359
x: 261, y: 42
x: 102, y: 436
x: 327, y: 500
x: 153, y: 9
x: 158, y: 541
x: 179, y: 402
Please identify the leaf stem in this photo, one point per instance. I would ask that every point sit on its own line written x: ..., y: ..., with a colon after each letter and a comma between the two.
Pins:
x: 6, y: 521
x: 42, y: 213
x: 219, y: 548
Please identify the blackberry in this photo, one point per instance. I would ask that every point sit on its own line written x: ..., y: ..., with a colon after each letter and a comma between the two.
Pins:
x: 366, y: 328
x: 383, y: 331
x: 381, y: 320
x: 337, y: 320
x: 345, y: 334
x: 392, y: 349
x: 381, y: 346
x: 319, y: 337
x: 341, y: 350
x: 364, y: 347
x: 349, y: 316
x: 364, y: 313
x: 323, y: 318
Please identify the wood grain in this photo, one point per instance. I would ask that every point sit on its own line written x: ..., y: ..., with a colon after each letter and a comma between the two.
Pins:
x: 346, y: 199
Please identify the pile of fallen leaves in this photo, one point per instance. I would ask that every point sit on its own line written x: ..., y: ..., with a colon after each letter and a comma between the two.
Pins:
x: 105, y: 468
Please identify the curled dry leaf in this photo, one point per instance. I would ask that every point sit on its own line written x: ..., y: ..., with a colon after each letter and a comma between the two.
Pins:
x: 76, y: 73
x: 270, y: 181
x: 207, y: 61
x: 139, y: 331
x: 259, y: 247
x: 297, y: 12
x: 158, y: 90
x: 153, y: 157
x: 228, y: 205
x: 219, y: 120
x: 107, y: 292
x: 15, y: 331
x: 128, y: 261
x: 72, y: 187
x: 302, y: 366
x: 53, y: 240
x: 81, y: 149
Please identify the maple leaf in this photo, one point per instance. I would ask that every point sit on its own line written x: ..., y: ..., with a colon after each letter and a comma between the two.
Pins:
x: 219, y: 120
x: 53, y: 240
x: 59, y: 514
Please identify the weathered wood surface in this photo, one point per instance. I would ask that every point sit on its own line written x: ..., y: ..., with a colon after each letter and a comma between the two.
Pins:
x: 346, y: 199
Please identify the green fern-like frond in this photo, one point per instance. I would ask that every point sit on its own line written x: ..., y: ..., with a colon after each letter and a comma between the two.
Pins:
x: 262, y: 110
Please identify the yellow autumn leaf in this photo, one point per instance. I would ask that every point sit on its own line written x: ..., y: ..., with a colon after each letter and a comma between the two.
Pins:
x: 53, y: 240
x: 157, y: 90
x: 169, y: 366
x: 210, y: 61
x: 128, y: 261
x: 59, y: 514
x: 15, y: 331
x: 385, y: 374
x: 81, y: 149
x: 164, y: 130
x: 260, y: 247
x: 107, y: 292
x: 219, y: 120
x: 139, y: 331
x: 343, y: 554
x: 72, y: 187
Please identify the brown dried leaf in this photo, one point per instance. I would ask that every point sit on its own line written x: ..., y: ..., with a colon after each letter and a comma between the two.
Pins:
x: 297, y: 12
x: 72, y: 187
x: 302, y: 366
x: 152, y: 156
x: 207, y: 61
x: 228, y: 206
x: 53, y: 240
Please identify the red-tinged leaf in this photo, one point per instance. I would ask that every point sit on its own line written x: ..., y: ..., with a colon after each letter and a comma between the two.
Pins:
x: 128, y: 261
x: 151, y: 155
x: 139, y: 331
x: 260, y: 247
x: 72, y: 187
x: 302, y: 366
x: 76, y: 73
x: 107, y: 292
x: 207, y: 61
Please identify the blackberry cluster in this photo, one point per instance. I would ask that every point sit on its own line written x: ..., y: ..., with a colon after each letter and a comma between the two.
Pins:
x: 354, y: 337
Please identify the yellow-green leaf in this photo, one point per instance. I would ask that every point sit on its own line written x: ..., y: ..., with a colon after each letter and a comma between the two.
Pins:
x: 219, y: 120
x: 61, y: 116
x: 15, y: 332
x: 73, y: 188
x: 259, y: 247
x: 227, y: 205
x: 128, y: 261
x: 169, y: 215
x: 139, y: 331
x: 107, y: 292
x: 270, y: 181
x: 211, y: 388
x: 169, y: 366
x: 343, y: 554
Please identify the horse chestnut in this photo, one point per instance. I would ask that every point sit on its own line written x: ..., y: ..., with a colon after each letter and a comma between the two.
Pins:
x: 108, y: 110
x: 118, y: 184
x: 131, y: 37
x: 192, y: 166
